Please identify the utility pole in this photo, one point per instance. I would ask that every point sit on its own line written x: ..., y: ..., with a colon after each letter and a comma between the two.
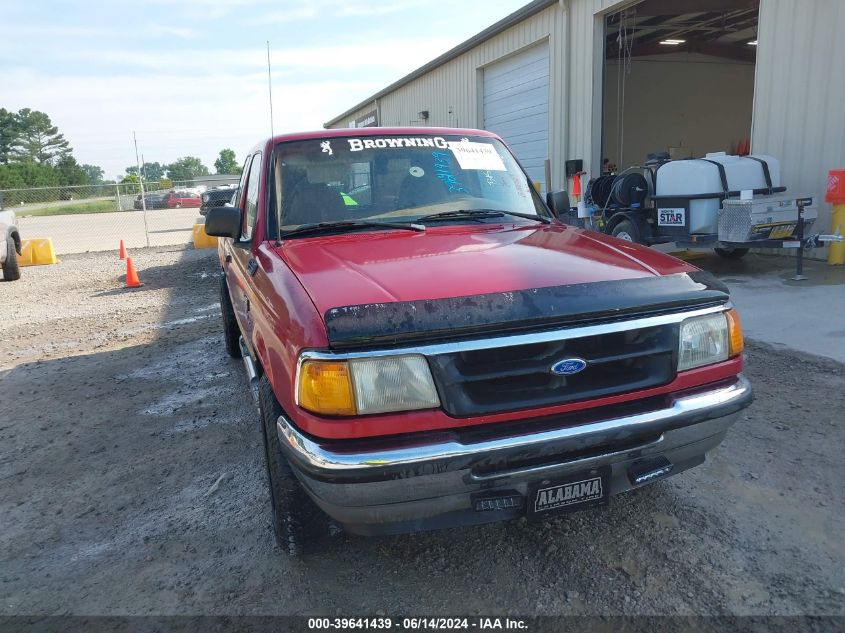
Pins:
x: 141, y: 181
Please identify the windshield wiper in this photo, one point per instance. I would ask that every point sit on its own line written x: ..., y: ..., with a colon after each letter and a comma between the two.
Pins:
x: 479, y: 214
x: 347, y: 225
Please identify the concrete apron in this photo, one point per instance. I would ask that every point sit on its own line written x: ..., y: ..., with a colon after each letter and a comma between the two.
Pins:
x: 808, y: 315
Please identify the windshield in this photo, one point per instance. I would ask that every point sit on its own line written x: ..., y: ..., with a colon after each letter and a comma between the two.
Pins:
x: 399, y: 178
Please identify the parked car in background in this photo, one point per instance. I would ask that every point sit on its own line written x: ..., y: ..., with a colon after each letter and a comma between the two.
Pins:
x: 217, y: 197
x: 10, y: 246
x: 179, y: 199
x: 152, y: 200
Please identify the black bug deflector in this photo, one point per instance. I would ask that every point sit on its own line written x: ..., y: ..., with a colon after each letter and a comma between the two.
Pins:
x: 519, y: 310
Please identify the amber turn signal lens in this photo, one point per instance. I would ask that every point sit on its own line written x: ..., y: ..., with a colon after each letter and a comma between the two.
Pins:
x: 734, y: 332
x: 325, y: 388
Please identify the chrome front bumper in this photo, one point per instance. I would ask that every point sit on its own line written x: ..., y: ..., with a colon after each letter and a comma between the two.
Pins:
x: 426, y: 480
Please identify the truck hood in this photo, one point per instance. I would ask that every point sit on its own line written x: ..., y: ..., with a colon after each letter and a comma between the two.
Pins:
x: 458, y: 261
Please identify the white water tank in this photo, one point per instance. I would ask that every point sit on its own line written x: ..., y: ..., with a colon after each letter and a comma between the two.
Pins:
x: 696, y: 177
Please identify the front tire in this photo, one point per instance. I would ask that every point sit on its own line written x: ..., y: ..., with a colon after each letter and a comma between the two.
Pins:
x: 231, y: 331
x: 12, y: 268
x: 297, y: 522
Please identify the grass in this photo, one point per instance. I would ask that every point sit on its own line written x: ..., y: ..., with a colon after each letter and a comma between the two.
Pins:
x: 97, y: 206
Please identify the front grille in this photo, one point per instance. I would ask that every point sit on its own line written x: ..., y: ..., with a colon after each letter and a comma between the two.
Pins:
x: 501, y: 379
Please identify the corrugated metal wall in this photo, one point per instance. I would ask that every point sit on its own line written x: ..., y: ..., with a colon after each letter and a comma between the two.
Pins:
x: 586, y: 51
x: 799, y: 97
x: 450, y: 93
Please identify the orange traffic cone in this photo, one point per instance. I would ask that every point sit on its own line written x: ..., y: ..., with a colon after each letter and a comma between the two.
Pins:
x: 576, y: 185
x: 122, y: 250
x: 132, y: 280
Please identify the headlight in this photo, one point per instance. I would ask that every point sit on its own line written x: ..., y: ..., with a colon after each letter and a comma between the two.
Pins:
x: 709, y: 339
x: 324, y: 387
x: 364, y: 386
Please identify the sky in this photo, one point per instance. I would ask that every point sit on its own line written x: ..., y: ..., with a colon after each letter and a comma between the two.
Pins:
x: 189, y: 77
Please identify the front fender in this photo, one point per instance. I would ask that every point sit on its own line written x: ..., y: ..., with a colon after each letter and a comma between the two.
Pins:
x: 285, y: 321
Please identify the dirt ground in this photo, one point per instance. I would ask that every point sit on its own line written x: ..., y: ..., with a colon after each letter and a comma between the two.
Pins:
x: 132, y: 482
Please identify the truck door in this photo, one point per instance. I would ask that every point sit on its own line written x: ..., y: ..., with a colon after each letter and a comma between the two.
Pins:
x: 239, y: 253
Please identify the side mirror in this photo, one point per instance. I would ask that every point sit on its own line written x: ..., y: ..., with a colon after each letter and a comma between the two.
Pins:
x: 558, y: 202
x: 223, y: 221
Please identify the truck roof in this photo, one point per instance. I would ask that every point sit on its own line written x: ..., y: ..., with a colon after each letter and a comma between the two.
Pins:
x: 369, y: 131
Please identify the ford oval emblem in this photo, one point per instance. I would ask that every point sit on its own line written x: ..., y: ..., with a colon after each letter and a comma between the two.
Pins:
x: 569, y: 366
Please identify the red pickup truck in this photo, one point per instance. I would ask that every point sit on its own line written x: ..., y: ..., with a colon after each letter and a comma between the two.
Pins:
x: 429, y: 346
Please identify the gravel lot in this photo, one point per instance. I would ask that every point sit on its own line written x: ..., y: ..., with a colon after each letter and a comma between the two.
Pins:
x: 133, y: 483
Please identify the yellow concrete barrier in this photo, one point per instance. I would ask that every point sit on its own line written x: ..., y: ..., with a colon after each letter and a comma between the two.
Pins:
x: 836, y: 251
x: 202, y: 239
x: 37, y: 252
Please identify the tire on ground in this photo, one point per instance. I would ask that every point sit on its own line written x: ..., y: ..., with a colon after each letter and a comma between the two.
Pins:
x: 627, y: 230
x: 231, y: 331
x: 11, y: 269
x: 298, y: 524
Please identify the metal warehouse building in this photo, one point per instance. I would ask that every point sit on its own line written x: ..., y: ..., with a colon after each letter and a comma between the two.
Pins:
x: 610, y: 81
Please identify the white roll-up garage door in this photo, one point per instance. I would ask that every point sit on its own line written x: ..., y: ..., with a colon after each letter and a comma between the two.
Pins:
x: 516, y: 105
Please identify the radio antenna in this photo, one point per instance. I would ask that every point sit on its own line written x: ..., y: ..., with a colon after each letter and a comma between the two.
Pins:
x: 270, y: 88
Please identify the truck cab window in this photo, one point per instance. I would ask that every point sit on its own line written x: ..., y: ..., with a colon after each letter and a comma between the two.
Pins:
x: 251, y: 205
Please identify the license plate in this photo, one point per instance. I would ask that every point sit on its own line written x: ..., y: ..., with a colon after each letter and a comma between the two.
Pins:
x: 558, y: 496
x: 672, y: 217
x: 779, y: 232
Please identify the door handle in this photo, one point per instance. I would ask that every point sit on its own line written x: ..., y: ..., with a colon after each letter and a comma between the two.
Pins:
x: 252, y: 267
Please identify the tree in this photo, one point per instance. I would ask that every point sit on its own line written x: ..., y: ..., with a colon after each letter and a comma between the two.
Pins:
x: 132, y: 183
x: 186, y: 168
x: 8, y: 134
x: 69, y: 171
x: 151, y: 171
x: 227, y: 163
x: 36, y: 138
x: 93, y: 174
x: 23, y: 174
x: 154, y: 171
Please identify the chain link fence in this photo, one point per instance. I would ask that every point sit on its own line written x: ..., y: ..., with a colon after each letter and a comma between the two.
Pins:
x: 96, y: 217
